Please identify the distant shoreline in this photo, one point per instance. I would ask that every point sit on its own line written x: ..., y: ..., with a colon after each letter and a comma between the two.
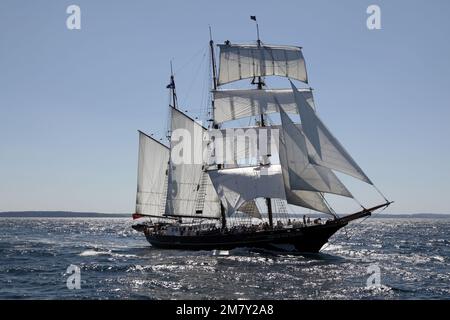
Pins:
x: 61, y: 214
x: 70, y: 214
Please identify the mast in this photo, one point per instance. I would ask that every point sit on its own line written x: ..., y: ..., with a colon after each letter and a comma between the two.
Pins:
x: 214, y: 77
x: 213, y: 124
x: 171, y: 86
x: 174, y: 104
x: 260, y: 82
x: 260, y: 85
x: 213, y: 60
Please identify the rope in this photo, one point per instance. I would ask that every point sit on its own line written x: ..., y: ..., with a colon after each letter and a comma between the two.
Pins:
x: 190, y: 60
x: 381, y: 194
x: 360, y: 222
x: 206, y: 95
x: 333, y: 212
x: 357, y: 224
x: 194, y: 79
x: 359, y: 203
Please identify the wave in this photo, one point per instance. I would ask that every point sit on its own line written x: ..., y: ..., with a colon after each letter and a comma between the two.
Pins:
x: 93, y: 252
x: 438, y: 258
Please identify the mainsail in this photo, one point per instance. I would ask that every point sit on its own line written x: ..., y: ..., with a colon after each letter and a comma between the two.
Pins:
x: 152, y: 176
x: 331, y: 153
x: 241, y: 61
x: 233, y: 104
x: 189, y: 185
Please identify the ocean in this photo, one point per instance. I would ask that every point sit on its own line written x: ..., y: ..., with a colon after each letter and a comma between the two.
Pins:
x: 376, y: 259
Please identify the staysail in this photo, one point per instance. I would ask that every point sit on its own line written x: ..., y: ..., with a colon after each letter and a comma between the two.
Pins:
x: 331, y: 153
x: 302, y: 174
x: 306, y: 199
x: 251, y: 209
x: 152, y: 176
x: 242, y: 61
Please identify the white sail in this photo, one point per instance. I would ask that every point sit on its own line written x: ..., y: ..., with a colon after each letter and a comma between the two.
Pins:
x: 152, y: 176
x: 239, y: 185
x: 243, y: 146
x: 236, y: 104
x: 211, y: 206
x: 331, y: 153
x: 241, y: 61
x: 188, y: 144
x: 307, y: 199
x: 250, y: 208
x: 302, y: 174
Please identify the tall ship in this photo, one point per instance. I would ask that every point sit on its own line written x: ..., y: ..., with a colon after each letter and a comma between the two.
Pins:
x: 222, y: 186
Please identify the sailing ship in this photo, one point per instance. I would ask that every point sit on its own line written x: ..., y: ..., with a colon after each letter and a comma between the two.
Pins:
x: 204, y: 190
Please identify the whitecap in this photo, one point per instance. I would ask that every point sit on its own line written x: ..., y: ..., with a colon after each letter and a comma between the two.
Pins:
x: 332, y: 247
x: 439, y: 258
x: 122, y: 255
x: 90, y: 252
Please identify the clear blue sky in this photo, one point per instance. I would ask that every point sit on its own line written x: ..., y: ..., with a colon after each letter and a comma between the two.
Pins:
x: 71, y: 101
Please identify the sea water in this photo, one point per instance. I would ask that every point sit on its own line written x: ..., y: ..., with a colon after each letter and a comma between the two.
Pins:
x: 375, y: 259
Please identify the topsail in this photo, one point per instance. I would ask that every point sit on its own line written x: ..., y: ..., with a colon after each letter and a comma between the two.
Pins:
x: 242, y: 61
x: 232, y: 104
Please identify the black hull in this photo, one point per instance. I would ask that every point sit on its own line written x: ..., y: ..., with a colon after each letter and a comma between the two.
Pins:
x: 308, y: 239
x: 305, y: 239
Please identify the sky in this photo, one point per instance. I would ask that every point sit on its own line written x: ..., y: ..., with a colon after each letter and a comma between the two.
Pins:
x: 71, y: 101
